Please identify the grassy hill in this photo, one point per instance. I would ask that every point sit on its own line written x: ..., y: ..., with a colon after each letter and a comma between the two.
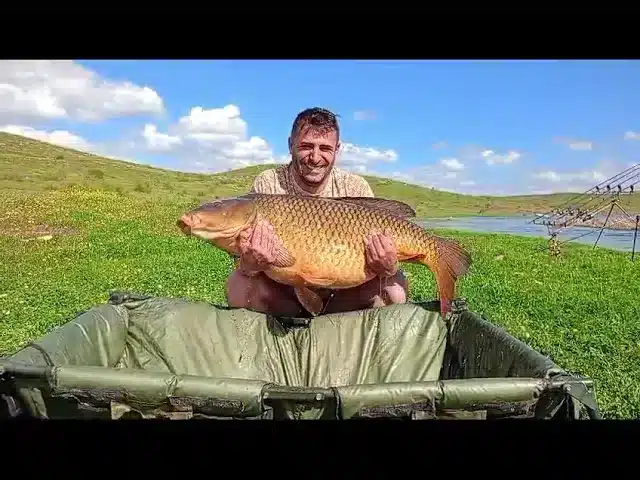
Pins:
x: 29, y: 166
x: 64, y: 247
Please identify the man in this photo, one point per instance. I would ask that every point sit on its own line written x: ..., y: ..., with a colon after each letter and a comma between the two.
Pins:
x: 313, y: 145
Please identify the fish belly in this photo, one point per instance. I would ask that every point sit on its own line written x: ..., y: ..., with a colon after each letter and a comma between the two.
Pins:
x: 321, y: 272
x: 326, y: 240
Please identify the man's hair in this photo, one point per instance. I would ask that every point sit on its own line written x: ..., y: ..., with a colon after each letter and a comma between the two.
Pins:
x: 317, y: 118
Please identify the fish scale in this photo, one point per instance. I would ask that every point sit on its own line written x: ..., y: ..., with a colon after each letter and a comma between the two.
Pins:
x: 322, y: 240
x: 336, y: 224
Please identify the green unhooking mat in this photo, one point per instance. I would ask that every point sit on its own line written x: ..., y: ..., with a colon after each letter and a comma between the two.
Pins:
x: 173, y: 358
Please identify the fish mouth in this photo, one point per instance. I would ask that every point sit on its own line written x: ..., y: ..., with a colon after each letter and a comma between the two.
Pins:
x: 184, y: 226
x: 191, y: 225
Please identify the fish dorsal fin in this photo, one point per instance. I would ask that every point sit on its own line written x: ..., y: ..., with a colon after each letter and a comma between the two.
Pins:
x: 393, y: 206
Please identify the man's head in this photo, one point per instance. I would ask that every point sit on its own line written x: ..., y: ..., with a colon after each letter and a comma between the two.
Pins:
x: 314, y: 144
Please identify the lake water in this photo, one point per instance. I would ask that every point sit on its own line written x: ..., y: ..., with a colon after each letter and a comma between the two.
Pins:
x: 615, y: 239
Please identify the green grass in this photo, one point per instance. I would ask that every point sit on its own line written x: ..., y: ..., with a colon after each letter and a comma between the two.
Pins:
x: 117, y: 232
x: 31, y: 166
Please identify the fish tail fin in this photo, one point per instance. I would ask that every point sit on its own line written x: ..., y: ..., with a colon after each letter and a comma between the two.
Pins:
x: 451, y: 262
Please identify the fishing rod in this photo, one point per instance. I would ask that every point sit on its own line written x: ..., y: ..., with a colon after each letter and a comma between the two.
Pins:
x: 631, y: 171
x: 635, y: 235
x: 584, y: 209
x: 572, y: 211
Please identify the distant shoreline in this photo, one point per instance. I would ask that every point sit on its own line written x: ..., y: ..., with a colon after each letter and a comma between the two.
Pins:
x: 616, y: 221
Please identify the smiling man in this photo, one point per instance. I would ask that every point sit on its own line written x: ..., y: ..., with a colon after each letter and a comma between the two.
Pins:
x: 313, y: 145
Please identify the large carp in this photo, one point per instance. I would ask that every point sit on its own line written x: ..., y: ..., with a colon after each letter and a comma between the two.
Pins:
x: 322, y: 240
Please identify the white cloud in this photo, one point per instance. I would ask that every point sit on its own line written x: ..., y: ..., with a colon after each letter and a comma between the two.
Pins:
x: 217, y: 139
x: 575, y: 144
x: 548, y: 175
x: 493, y: 158
x: 210, y: 125
x: 452, y: 164
x: 575, y: 180
x: 39, y: 90
x: 209, y: 140
x: 477, y: 178
x: 448, y: 174
x: 585, y: 177
x: 480, y: 178
x: 402, y: 176
x: 159, y: 142
x: 62, y: 138
x: 361, y: 115
x: 204, y: 140
x: 581, y: 145
x: 361, y: 159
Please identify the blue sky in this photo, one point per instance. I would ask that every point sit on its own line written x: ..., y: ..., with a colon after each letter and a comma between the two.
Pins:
x: 478, y: 127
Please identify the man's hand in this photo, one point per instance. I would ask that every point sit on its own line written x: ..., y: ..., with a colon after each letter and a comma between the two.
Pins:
x: 257, y: 247
x: 380, y: 254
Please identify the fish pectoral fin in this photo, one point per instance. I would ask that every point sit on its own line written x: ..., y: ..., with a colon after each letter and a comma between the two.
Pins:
x: 310, y: 300
x: 283, y: 257
x: 409, y: 258
x: 398, y: 208
x: 316, y: 281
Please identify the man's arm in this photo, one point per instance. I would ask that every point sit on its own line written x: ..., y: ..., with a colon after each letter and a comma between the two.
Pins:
x: 253, y: 243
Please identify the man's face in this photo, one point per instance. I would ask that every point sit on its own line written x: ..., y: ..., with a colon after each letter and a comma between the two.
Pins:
x: 313, y: 153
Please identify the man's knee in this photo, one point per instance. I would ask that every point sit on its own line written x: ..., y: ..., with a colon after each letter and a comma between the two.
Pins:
x: 401, y: 279
x: 238, y: 289
x: 396, y: 289
x: 259, y: 293
x: 244, y: 291
x: 375, y: 293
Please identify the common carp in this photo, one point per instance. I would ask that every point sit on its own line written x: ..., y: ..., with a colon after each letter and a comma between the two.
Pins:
x: 322, y: 240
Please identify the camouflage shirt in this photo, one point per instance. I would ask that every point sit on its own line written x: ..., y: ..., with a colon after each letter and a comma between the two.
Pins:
x: 341, y: 183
